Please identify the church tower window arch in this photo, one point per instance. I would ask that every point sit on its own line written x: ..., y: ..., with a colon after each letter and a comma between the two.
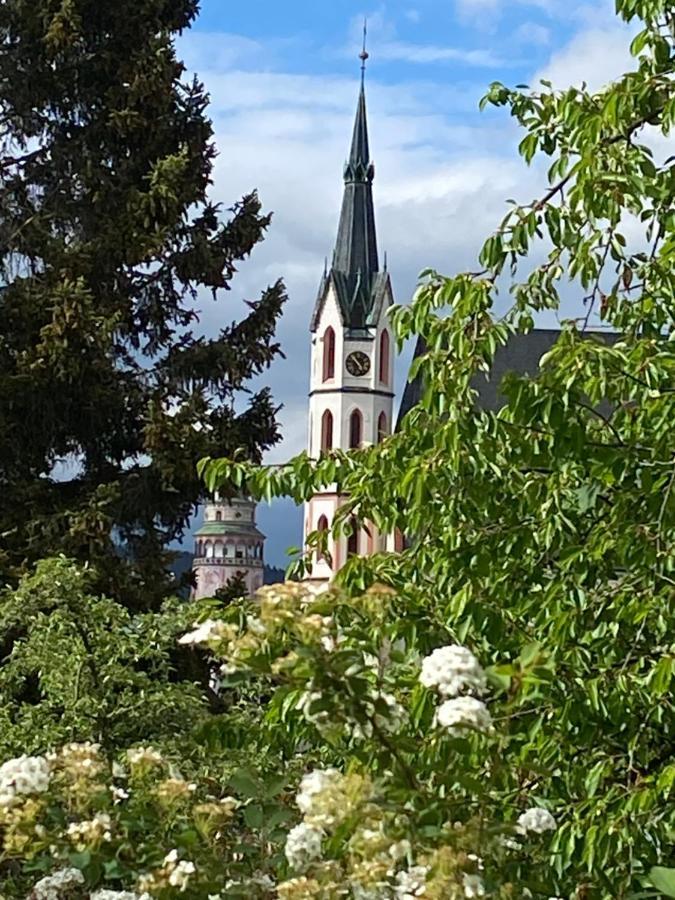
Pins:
x: 384, y: 357
x: 355, y: 429
x: 382, y: 428
x: 353, y: 540
x: 328, y: 354
x: 321, y: 525
x: 327, y: 431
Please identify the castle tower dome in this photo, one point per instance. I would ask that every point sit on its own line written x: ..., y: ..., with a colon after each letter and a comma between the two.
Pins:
x: 351, y: 381
x: 227, y: 544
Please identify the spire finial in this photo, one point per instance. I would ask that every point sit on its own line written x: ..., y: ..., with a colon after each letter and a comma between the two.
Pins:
x: 363, y: 55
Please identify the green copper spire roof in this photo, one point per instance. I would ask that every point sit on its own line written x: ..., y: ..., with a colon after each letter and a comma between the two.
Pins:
x: 355, y: 272
x: 356, y: 245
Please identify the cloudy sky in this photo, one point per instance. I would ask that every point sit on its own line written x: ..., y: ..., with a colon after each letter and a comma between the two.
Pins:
x: 283, y: 79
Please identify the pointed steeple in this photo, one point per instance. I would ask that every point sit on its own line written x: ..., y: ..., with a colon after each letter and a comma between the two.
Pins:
x: 355, y: 275
x: 356, y: 246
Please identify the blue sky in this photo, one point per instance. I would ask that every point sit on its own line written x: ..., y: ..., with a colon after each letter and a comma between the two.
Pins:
x: 283, y: 79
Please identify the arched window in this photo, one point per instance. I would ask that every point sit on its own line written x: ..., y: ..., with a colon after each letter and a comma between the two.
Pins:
x: 327, y: 431
x: 208, y: 550
x: 321, y: 525
x: 382, y: 430
x: 218, y: 550
x: 384, y: 357
x: 353, y: 540
x: 219, y: 516
x: 328, y: 354
x: 355, y: 429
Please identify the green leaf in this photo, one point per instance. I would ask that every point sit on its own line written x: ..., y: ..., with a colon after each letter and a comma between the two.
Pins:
x: 253, y: 815
x: 663, y: 879
x: 245, y: 783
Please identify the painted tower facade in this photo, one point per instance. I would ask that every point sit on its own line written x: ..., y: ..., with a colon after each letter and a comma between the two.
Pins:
x: 352, y: 353
x: 228, y: 543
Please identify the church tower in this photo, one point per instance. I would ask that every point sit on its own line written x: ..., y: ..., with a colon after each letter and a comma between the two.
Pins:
x: 351, y: 382
x: 228, y: 544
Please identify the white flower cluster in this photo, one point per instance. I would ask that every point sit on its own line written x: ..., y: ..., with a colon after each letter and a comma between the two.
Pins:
x: 473, y: 885
x: 51, y: 887
x: 118, y: 895
x: 463, y: 714
x: 23, y: 776
x: 411, y: 883
x: 148, y: 756
x: 303, y: 845
x: 312, y: 785
x: 180, y: 871
x: 536, y: 820
x: 91, y: 832
x: 454, y: 671
x: 390, y: 722
x: 204, y: 632
x: 79, y: 760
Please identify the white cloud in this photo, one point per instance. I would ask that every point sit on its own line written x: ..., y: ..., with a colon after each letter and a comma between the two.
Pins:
x: 217, y: 50
x: 404, y: 51
x: 476, y: 11
x: 384, y: 44
x: 413, y: 15
x: 533, y: 34
x: 595, y: 56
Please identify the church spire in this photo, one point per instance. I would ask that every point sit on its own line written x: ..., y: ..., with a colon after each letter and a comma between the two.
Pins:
x: 356, y: 245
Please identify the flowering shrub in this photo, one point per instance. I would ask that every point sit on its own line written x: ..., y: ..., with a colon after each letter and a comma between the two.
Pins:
x: 405, y: 811
x: 74, y: 824
x: 409, y: 811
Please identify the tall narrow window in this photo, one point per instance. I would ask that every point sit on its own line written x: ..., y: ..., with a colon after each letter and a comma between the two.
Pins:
x: 327, y: 431
x: 384, y: 357
x: 355, y: 429
x: 353, y: 540
x: 321, y: 525
x: 382, y: 430
x: 328, y: 354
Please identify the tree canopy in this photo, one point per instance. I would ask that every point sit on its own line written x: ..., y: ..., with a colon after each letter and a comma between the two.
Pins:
x: 109, y: 394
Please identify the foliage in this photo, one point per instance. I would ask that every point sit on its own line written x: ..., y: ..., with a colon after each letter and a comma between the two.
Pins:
x: 104, y: 824
x: 544, y: 534
x: 108, y: 394
x: 327, y: 663
x: 233, y: 589
x: 77, y: 667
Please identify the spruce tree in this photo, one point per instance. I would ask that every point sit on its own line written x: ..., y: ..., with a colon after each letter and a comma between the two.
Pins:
x: 108, y: 245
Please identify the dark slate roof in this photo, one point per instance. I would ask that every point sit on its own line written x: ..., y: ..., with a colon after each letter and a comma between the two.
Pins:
x: 360, y: 301
x: 356, y: 245
x: 355, y: 271
x: 520, y: 355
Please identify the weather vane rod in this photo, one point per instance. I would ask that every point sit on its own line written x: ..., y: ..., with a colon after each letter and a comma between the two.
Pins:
x: 363, y: 55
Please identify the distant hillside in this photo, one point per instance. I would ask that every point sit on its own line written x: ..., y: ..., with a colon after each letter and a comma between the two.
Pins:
x: 274, y: 575
x: 182, y: 564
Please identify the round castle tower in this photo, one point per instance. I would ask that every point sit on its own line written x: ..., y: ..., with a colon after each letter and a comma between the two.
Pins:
x: 228, y: 543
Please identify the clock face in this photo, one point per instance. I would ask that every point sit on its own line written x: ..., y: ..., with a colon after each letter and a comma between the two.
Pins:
x: 358, y: 363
